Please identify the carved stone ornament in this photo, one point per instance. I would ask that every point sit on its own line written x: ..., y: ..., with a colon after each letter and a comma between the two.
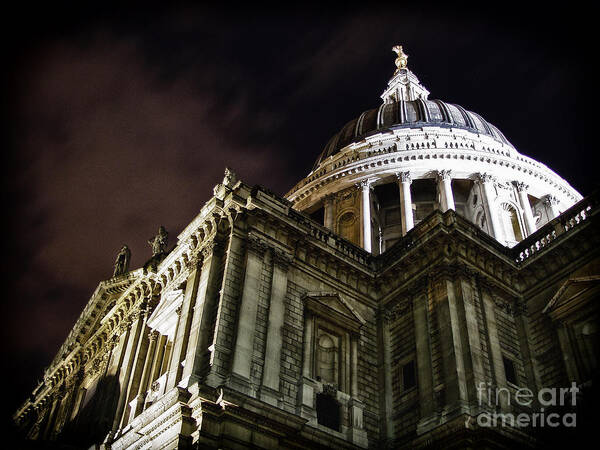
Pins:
x: 485, y: 178
x: 256, y: 245
x: 282, y: 259
x: 551, y: 200
x: 230, y: 178
x: 365, y: 184
x: 404, y: 177
x: 211, y: 248
x: 521, y: 187
x: 330, y: 389
x: 444, y: 174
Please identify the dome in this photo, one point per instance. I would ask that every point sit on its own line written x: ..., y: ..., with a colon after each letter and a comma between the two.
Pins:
x: 389, y: 168
x: 410, y: 113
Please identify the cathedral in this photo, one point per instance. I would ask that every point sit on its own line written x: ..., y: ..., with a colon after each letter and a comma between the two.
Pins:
x: 425, y: 285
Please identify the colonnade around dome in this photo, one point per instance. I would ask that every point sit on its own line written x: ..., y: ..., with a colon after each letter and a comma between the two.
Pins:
x: 378, y: 211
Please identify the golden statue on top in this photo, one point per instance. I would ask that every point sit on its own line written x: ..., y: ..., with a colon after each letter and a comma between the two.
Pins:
x: 402, y: 58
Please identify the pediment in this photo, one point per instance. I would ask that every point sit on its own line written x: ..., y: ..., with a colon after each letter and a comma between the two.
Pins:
x: 572, y: 296
x: 333, y: 307
x: 164, y: 317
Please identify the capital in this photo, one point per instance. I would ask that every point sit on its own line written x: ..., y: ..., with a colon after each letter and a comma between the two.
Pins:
x: 485, y: 178
x: 521, y: 187
x: 404, y: 177
x: 365, y: 184
x: 281, y: 259
x: 211, y: 248
x: 551, y: 200
x: 444, y: 174
x: 328, y: 198
x: 256, y: 246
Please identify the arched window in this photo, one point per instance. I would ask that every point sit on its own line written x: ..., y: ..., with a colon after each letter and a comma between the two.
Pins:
x: 346, y: 227
x: 327, y: 359
x: 510, y: 224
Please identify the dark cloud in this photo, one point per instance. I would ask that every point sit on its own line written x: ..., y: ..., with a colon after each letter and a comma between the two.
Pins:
x: 124, y: 121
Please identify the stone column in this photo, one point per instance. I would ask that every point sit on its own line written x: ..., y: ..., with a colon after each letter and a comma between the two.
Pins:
x: 157, y: 363
x: 143, y: 386
x: 244, y: 343
x: 404, y: 181
x: 524, y: 200
x: 552, y: 205
x: 328, y: 211
x: 138, y: 322
x: 139, y: 358
x: 444, y: 178
x: 489, y: 204
x: 206, y: 296
x: 184, y: 323
x: 272, y: 365
x: 365, y: 187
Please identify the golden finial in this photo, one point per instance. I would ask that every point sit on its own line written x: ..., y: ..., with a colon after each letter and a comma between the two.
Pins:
x: 402, y: 58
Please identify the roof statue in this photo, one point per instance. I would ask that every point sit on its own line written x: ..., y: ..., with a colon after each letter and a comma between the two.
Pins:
x: 122, y: 261
x: 159, y: 242
x: 402, y: 59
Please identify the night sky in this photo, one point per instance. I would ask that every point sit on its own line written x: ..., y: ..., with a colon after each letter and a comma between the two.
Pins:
x: 120, y: 120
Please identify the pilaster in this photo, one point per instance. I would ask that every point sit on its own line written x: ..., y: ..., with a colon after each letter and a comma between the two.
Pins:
x: 244, y: 342
x: 184, y: 323
x: 203, y: 305
x: 270, y: 382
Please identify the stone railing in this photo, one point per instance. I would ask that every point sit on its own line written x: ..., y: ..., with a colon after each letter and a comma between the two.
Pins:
x: 329, y: 238
x: 553, y: 230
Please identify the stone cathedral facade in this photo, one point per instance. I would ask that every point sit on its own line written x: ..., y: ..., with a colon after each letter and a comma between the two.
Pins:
x: 422, y: 258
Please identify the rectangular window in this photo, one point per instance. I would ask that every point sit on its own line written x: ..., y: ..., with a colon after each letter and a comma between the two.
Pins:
x: 509, y: 370
x: 409, y: 379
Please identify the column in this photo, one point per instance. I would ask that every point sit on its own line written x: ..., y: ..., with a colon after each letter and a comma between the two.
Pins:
x: 404, y: 182
x: 183, y: 326
x: 206, y: 295
x: 365, y: 187
x: 138, y: 322
x: 139, y: 358
x: 552, y: 206
x: 491, y: 212
x: 328, y: 211
x: 444, y: 178
x: 272, y: 365
x: 244, y: 343
x: 524, y: 200
x: 143, y: 386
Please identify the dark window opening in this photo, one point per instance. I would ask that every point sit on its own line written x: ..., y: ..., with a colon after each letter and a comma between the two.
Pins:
x: 409, y: 379
x: 509, y: 370
x: 318, y: 216
x: 328, y: 412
